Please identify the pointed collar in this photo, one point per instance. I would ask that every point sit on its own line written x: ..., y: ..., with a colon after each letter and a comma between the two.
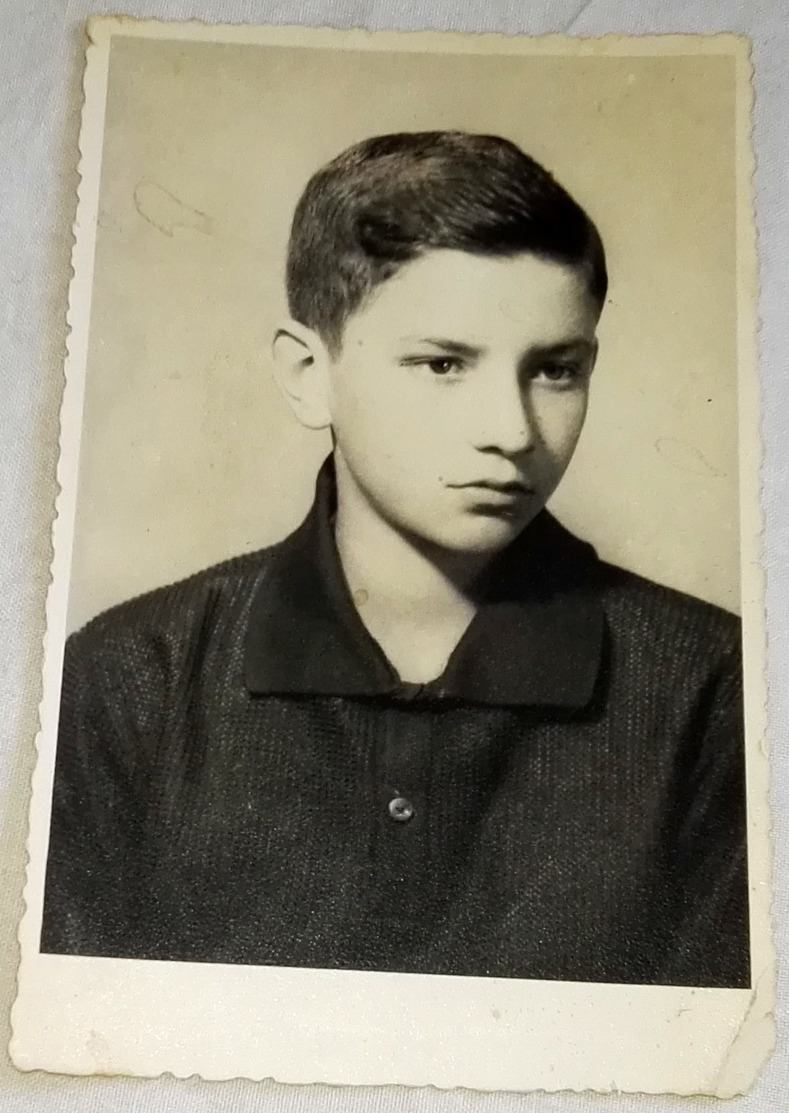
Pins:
x: 536, y: 639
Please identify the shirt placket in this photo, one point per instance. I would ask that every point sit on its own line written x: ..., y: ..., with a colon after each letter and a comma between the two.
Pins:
x: 401, y: 813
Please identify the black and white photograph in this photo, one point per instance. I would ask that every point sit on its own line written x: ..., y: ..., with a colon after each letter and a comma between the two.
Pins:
x: 400, y: 638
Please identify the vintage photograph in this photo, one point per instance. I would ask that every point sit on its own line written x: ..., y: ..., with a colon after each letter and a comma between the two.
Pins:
x: 398, y: 614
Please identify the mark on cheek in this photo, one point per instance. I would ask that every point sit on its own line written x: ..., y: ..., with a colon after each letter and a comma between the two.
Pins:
x: 360, y: 596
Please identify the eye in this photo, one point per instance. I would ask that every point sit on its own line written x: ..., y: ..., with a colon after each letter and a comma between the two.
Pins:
x: 439, y: 367
x: 558, y: 373
x: 442, y: 365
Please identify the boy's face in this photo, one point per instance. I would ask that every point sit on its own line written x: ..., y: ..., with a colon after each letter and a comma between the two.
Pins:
x: 460, y: 393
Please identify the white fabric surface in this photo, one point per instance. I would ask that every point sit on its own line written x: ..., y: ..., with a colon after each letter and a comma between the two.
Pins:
x: 40, y: 66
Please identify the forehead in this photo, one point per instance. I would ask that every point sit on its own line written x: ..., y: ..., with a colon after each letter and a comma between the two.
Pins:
x: 517, y: 298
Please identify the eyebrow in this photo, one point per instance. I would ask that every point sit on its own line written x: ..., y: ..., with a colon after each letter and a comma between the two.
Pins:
x: 469, y: 351
x: 452, y: 347
x: 578, y: 343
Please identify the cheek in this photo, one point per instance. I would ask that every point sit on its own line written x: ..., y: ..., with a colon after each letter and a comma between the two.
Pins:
x: 375, y: 424
x: 382, y: 406
x: 561, y: 419
x: 355, y: 403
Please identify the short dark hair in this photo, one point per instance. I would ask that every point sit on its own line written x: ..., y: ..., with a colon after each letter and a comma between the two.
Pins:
x: 386, y: 200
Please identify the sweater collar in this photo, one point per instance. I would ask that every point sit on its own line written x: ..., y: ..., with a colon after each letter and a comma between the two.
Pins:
x: 536, y: 640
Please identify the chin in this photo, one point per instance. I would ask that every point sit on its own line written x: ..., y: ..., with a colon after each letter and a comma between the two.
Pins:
x: 486, y: 536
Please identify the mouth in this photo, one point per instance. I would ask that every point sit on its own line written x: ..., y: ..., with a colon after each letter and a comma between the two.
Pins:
x: 512, y: 488
x: 491, y: 495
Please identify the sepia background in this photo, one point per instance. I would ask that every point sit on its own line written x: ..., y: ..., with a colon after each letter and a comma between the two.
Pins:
x: 190, y: 455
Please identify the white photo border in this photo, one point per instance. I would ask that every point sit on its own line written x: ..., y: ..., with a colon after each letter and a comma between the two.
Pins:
x: 81, y: 1015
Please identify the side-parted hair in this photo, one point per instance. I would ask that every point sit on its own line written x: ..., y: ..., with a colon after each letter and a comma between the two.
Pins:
x: 387, y: 200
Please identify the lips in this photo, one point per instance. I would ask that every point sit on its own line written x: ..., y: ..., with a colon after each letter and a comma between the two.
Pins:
x: 512, y: 487
x: 492, y: 496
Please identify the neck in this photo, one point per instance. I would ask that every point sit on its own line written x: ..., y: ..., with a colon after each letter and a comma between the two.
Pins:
x: 415, y: 602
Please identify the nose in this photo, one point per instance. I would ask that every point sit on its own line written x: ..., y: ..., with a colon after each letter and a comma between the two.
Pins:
x: 503, y: 420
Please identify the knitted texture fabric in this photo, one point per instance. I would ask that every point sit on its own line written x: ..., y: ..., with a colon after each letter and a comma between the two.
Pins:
x: 241, y: 778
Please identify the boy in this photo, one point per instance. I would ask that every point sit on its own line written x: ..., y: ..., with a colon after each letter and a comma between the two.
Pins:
x: 430, y: 731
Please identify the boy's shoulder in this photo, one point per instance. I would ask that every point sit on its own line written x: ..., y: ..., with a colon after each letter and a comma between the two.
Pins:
x: 175, y: 614
x: 640, y: 609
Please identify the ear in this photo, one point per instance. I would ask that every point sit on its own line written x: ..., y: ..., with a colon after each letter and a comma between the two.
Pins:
x: 300, y: 367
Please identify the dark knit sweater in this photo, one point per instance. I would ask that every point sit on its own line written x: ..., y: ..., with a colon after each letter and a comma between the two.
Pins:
x: 242, y: 778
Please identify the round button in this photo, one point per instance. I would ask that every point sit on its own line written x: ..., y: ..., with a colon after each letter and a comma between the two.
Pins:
x: 401, y: 809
